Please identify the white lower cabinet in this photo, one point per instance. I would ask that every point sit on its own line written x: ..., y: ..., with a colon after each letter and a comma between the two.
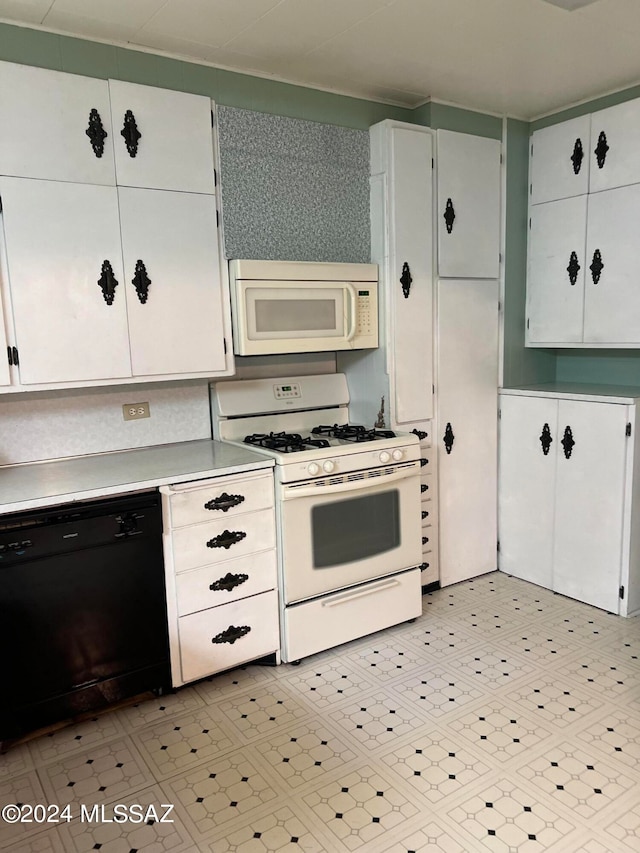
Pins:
x: 221, y: 573
x: 467, y: 426
x: 569, y: 516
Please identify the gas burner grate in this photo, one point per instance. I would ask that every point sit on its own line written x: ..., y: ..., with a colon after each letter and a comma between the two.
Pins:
x: 353, y: 432
x: 285, y: 442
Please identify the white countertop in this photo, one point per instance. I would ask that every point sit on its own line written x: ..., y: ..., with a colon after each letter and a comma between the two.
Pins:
x: 578, y: 391
x: 42, y: 484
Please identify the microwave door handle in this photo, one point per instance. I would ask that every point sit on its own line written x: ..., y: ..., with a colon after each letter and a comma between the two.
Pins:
x: 353, y: 310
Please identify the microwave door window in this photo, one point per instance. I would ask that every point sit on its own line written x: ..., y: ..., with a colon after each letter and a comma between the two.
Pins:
x: 348, y: 531
x: 280, y: 313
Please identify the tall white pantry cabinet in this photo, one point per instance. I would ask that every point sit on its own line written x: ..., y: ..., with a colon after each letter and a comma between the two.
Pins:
x: 435, y: 212
x: 570, y: 492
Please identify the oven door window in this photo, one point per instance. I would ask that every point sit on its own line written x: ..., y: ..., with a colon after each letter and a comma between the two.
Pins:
x: 346, y: 531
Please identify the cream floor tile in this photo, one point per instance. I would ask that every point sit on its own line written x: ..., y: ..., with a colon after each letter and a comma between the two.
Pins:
x: 76, y: 738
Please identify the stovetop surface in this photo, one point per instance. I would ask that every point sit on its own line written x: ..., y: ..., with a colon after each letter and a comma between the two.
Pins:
x: 322, y: 436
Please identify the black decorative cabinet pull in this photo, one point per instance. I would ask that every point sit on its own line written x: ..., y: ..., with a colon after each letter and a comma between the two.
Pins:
x: 108, y: 282
x: 596, y: 266
x: 423, y: 462
x: 449, y: 215
x: 448, y: 438
x: 405, y: 280
x: 424, y: 514
x: 577, y: 156
x: 574, y: 268
x: 228, y: 582
x: 601, y: 149
x: 545, y: 439
x: 141, y: 281
x: 130, y: 133
x: 420, y: 433
x: 226, y: 539
x: 224, y: 502
x: 231, y: 634
x: 423, y: 488
x: 425, y: 539
x: 567, y: 442
x: 96, y: 132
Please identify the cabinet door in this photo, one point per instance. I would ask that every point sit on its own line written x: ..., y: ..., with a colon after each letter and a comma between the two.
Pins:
x: 176, y: 326
x: 587, y: 551
x: 467, y: 384
x: 468, y: 206
x: 560, y: 160
x: 528, y: 428
x: 556, y: 271
x: 58, y: 238
x: 615, y: 146
x: 163, y: 138
x: 612, y: 280
x: 411, y: 223
x: 45, y: 118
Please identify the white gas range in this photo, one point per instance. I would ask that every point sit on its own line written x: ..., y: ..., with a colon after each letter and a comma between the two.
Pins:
x: 347, y: 505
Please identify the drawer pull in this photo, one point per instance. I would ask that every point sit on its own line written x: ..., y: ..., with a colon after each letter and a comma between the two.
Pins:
x: 420, y: 433
x: 424, y: 566
x: 228, y: 582
x: 425, y: 514
x: 423, y: 488
x: 225, y: 502
x: 226, y: 539
x: 231, y: 634
x: 423, y: 462
x: 425, y: 539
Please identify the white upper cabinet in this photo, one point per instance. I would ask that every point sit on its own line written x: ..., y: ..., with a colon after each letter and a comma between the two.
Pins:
x: 62, y: 240
x: 174, y: 293
x: 55, y: 126
x: 468, y: 205
x: 615, y: 147
x: 556, y: 271
x: 560, y: 160
x: 162, y: 138
x: 5, y: 363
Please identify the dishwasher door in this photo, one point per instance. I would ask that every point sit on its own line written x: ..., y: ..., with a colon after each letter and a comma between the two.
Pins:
x: 82, y: 609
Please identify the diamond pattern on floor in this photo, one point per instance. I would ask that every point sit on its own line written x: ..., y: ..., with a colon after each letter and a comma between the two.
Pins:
x: 506, y: 719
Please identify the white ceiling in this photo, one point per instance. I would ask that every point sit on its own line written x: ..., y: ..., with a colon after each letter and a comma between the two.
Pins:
x: 522, y: 58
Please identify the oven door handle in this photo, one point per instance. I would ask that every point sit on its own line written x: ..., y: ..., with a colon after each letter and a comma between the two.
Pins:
x: 290, y: 493
x: 353, y: 310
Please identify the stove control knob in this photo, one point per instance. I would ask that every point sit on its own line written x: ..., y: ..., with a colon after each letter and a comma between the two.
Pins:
x: 397, y: 455
x: 328, y: 466
x: 384, y: 457
x: 313, y: 468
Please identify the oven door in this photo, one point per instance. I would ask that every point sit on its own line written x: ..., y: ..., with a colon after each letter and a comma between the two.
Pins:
x: 344, y: 530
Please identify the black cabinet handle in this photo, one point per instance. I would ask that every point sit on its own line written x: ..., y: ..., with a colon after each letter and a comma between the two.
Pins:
x: 423, y: 462
x: 16, y: 360
x: 224, y: 502
x: 423, y: 488
x: 425, y: 539
x: 424, y: 566
x: 96, y: 133
x: 596, y: 266
x: 9, y: 356
x: 420, y: 433
x: 130, y: 133
x: 425, y: 514
x: 141, y: 281
x: 448, y: 438
x: 108, y: 282
x: 228, y: 582
x: 573, y: 269
x: 231, y: 634
x: 576, y: 157
x: 545, y: 439
x: 405, y: 280
x: 567, y: 442
x: 601, y: 149
x: 449, y: 215
x: 226, y: 539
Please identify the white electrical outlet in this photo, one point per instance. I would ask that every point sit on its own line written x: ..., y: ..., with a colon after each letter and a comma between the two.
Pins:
x: 135, y: 411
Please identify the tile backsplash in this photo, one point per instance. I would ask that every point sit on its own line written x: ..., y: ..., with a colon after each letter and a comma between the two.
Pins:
x: 57, y: 424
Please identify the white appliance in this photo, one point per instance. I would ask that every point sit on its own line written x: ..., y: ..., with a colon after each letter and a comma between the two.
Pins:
x: 347, y: 508
x: 290, y: 307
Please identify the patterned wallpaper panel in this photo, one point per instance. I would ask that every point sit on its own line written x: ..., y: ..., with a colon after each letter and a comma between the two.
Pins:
x: 293, y: 190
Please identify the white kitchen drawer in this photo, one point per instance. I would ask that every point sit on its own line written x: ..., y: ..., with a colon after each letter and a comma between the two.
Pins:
x: 352, y: 613
x: 221, y: 498
x: 207, y: 643
x: 204, y: 544
x: 231, y: 580
x: 426, y: 486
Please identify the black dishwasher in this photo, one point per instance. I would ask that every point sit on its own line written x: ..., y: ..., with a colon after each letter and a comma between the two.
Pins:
x: 83, y: 620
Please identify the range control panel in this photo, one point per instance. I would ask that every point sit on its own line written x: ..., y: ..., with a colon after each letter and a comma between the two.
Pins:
x: 285, y: 392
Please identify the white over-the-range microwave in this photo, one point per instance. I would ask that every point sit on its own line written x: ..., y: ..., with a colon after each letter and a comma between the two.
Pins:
x: 291, y: 307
